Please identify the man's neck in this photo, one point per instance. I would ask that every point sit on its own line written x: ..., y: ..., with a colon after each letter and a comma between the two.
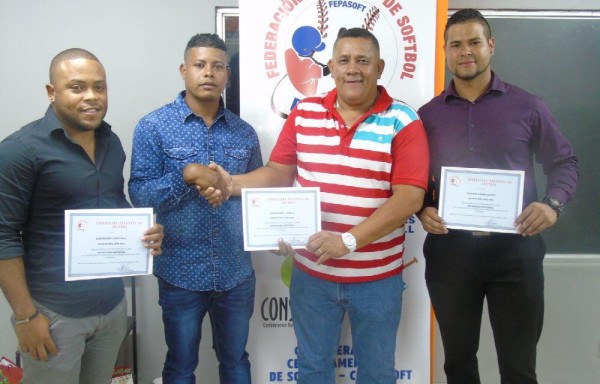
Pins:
x: 472, y: 89
x: 351, y: 113
x: 340, y: 105
x: 207, y: 110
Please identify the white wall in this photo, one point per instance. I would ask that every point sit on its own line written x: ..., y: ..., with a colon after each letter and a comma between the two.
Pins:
x: 141, y: 43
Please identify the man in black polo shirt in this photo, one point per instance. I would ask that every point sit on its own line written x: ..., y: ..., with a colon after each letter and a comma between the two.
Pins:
x: 68, y: 332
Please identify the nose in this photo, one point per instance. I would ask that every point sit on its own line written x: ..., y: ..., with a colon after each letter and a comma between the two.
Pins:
x: 209, y: 71
x: 90, y: 94
x: 351, y: 67
x: 466, y: 51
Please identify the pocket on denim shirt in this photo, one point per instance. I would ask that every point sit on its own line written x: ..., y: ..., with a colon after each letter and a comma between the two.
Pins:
x: 178, y: 157
x: 181, y: 153
x: 236, y: 159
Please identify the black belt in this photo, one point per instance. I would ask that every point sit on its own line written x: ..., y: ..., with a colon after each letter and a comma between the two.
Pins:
x: 473, y: 233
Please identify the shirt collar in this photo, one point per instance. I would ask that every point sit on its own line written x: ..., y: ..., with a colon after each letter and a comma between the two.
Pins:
x: 497, y: 85
x: 185, y: 112
x: 53, y: 124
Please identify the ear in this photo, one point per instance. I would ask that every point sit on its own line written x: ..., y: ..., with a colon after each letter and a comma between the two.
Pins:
x: 182, y: 69
x: 50, y: 91
x: 492, y: 44
x: 330, y: 66
x: 380, y: 67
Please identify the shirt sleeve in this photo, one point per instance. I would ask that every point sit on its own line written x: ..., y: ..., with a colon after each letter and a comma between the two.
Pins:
x: 17, y: 181
x: 410, y: 156
x: 148, y: 185
x: 285, y: 150
x: 555, y: 154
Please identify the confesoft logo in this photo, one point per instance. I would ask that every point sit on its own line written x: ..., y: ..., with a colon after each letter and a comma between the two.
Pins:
x: 299, y: 37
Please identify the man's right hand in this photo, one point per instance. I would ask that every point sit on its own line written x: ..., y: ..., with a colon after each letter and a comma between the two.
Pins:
x: 34, y: 338
x: 214, y: 195
x: 203, y: 177
x: 431, y: 222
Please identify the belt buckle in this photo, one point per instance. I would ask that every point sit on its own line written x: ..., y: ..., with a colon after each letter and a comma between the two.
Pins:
x: 480, y: 233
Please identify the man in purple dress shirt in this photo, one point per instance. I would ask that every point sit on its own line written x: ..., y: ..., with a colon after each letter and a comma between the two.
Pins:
x: 479, y: 121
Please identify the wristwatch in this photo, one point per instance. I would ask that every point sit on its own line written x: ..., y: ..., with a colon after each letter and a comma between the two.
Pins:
x: 554, y: 204
x: 349, y: 241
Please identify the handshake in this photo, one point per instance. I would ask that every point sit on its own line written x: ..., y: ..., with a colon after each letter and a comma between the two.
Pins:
x: 212, y: 182
x: 216, y: 185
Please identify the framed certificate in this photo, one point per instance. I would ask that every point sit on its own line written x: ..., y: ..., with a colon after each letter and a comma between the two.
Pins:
x: 270, y: 214
x: 101, y: 243
x: 480, y: 199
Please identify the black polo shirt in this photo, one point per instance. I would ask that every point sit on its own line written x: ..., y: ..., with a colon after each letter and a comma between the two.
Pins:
x: 43, y: 173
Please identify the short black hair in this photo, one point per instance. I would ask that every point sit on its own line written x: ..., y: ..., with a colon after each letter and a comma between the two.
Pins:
x: 354, y: 33
x: 206, y: 40
x: 69, y: 54
x: 465, y: 16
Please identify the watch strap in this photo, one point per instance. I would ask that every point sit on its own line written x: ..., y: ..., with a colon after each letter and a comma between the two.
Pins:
x: 554, y: 204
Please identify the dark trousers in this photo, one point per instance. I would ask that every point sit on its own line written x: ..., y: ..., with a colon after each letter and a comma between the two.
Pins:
x: 507, y: 270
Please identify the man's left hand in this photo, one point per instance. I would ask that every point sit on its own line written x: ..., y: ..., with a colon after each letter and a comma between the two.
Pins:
x: 326, y: 245
x: 535, y: 219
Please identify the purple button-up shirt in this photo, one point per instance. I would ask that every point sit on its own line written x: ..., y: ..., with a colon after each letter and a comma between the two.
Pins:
x: 505, y: 128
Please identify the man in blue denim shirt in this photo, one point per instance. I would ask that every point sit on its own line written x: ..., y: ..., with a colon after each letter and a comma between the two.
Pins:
x: 204, y: 268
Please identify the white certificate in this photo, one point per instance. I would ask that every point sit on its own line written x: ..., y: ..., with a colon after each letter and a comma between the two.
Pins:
x: 270, y: 214
x: 101, y: 243
x: 480, y: 199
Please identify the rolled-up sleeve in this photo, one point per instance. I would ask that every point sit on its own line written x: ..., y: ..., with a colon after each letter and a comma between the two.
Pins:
x: 17, y: 181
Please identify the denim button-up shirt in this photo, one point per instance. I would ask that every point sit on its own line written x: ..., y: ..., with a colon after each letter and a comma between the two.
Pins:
x: 203, y: 247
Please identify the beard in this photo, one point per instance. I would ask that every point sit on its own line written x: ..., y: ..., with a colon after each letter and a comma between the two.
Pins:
x: 471, y: 75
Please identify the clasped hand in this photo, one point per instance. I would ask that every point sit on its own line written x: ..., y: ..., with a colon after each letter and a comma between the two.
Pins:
x: 215, y: 184
x: 211, y: 181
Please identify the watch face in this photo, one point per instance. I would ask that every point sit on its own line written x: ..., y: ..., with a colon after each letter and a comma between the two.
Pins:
x: 349, y: 240
x: 554, y: 203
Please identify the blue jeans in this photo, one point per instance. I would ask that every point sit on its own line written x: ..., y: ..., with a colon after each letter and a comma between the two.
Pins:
x: 373, y: 308
x: 229, y: 311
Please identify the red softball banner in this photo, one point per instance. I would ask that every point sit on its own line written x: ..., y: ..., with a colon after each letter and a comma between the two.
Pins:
x: 284, y: 48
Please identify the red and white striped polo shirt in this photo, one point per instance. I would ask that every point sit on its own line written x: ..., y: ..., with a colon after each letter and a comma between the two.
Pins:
x: 355, y: 169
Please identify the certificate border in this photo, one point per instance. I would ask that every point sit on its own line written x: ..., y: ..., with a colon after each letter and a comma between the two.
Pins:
x: 70, y: 215
x: 249, y: 192
x: 520, y: 177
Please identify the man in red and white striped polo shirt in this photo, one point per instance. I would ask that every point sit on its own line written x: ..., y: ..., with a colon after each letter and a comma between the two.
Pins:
x: 368, y: 154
